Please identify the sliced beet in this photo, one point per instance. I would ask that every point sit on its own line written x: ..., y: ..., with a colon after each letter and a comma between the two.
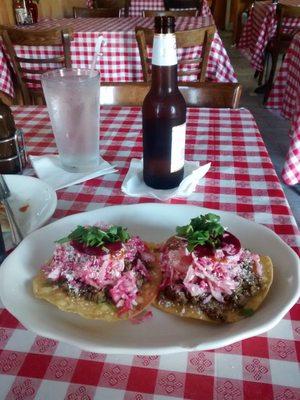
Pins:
x: 229, y: 239
x: 204, y: 251
x: 96, y: 251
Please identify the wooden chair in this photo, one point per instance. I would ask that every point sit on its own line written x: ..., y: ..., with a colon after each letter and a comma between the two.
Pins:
x: 81, y: 12
x: 281, y: 41
x: 30, y: 87
x: 184, y: 39
x: 207, y: 94
x: 174, y: 13
x: 239, y: 8
x: 183, y: 4
x: 6, y: 99
x: 125, y: 4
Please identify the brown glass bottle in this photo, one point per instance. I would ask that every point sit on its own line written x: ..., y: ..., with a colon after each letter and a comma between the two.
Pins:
x: 164, y: 113
x: 12, y: 146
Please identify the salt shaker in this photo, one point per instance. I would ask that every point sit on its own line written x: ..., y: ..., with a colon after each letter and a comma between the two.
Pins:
x: 12, y: 147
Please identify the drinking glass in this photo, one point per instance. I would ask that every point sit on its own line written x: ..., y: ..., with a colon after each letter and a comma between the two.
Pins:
x: 73, y: 102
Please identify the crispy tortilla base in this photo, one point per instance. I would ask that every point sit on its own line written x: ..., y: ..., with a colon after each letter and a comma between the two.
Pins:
x: 231, y: 316
x: 42, y: 289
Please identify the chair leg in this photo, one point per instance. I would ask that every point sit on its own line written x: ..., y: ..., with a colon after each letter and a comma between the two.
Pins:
x: 265, y: 67
x: 274, y: 59
x: 259, y: 75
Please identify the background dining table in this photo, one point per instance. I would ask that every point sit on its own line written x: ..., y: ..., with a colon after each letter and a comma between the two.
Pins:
x: 120, y: 59
x: 260, y: 28
x: 241, y: 180
x: 285, y: 97
x: 137, y: 7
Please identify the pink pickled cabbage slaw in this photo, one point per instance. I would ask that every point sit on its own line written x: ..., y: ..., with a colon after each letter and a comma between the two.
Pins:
x: 102, y: 271
x: 205, y: 276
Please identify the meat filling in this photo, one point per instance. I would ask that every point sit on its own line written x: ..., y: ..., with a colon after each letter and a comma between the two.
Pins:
x: 90, y: 293
x: 250, y: 285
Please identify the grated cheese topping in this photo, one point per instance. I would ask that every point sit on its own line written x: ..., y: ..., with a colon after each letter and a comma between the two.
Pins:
x: 206, y: 276
x: 115, y: 271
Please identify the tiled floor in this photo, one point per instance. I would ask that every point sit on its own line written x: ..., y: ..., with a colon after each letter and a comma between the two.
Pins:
x: 274, y: 129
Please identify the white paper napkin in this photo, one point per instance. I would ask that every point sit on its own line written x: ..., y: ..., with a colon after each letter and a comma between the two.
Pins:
x: 135, y: 186
x: 48, y: 168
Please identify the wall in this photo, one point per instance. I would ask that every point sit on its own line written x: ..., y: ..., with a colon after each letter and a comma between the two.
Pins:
x: 6, y: 13
x: 47, y: 8
x: 63, y: 8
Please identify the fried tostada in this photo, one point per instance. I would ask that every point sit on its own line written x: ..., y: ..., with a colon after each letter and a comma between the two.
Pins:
x: 100, y: 272
x: 208, y: 275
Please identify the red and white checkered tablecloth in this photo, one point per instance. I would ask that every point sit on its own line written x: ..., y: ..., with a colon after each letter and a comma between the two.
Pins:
x: 137, y: 6
x: 259, y: 29
x: 5, y: 77
x: 120, y: 60
x: 285, y: 97
x: 242, y: 180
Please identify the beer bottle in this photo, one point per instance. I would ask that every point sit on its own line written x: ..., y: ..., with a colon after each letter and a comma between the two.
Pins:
x: 164, y: 113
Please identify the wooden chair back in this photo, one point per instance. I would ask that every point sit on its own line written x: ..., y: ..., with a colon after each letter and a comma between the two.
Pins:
x: 183, y: 4
x: 280, y: 43
x: 6, y: 99
x: 174, y: 13
x: 82, y: 12
x: 239, y: 8
x: 124, y: 4
x: 284, y: 11
x: 207, y: 94
x: 28, y: 70
x: 201, y: 38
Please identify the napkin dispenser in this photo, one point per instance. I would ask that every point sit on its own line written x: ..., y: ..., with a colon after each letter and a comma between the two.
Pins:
x: 12, y: 146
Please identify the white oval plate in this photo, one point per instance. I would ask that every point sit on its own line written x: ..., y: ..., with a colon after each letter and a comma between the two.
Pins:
x: 32, y: 201
x: 163, y: 333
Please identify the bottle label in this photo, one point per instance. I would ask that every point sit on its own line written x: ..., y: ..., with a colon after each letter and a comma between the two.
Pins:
x: 164, y: 49
x: 178, y: 147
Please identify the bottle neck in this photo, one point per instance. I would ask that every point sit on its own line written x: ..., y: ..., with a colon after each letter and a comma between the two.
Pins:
x: 164, y: 79
x: 164, y: 63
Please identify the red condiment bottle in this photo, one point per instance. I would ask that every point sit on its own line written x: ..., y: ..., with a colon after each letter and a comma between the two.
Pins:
x: 33, y: 10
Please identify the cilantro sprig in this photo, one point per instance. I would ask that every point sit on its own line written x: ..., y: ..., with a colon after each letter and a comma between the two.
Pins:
x: 203, y: 230
x: 247, y: 312
x: 93, y: 236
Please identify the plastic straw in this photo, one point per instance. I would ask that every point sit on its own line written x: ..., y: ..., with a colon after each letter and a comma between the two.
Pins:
x: 97, y: 53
